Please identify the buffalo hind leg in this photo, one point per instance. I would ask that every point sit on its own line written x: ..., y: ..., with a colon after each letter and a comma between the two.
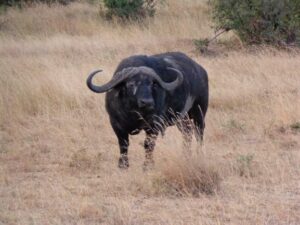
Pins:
x: 197, y: 115
x: 185, y: 127
x: 149, y: 145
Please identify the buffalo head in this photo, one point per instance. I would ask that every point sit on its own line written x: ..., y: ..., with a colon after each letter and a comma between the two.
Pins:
x: 139, y: 85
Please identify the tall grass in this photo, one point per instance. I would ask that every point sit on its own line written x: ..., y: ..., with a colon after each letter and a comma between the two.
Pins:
x: 58, y: 153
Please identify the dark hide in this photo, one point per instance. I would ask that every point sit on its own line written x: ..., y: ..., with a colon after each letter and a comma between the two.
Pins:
x: 140, y: 103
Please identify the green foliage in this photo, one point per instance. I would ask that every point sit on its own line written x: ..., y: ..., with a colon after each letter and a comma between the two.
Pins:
x: 130, y: 9
x: 245, y: 165
x: 234, y: 126
x: 20, y: 3
x: 295, y: 126
x: 201, y: 44
x: 260, y: 21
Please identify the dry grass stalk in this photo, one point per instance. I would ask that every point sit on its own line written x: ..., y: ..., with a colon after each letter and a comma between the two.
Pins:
x: 58, y: 154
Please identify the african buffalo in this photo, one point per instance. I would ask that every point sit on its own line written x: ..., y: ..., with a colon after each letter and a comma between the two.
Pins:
x: 151, y: 93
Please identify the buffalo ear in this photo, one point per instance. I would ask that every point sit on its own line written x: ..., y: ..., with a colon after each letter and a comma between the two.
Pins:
x: 118, y: 91
x: 117, y: 94
x: 122, y: 90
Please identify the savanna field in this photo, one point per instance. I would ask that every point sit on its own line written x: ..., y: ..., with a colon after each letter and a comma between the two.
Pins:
x: 58, y: 152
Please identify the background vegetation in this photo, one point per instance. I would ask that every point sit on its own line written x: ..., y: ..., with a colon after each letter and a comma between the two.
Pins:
x: 274, y: 22
x: 20, y: 3
x: 133, y: 10
x: 58, y: 153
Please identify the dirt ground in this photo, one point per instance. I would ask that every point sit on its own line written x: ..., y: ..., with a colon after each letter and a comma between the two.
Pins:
x: 58, y: 153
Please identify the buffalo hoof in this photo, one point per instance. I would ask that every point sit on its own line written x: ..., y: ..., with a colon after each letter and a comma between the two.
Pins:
x: 123, y: 162
x: 148, y: 165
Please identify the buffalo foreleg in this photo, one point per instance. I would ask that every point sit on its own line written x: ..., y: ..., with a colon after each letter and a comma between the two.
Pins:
x: 123, y: 145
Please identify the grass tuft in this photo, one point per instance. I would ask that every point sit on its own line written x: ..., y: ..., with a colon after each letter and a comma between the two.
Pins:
x: 187, y: 176
x: 58, y: 152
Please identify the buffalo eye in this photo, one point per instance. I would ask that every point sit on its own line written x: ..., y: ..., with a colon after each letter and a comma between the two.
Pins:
x: 131, y: 87
x: 155, y: 85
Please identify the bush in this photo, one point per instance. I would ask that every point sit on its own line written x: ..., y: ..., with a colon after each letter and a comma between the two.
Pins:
x: 187, y: 175
x: 28, y: 2
x: 260, y: 21
x: 130, y: 9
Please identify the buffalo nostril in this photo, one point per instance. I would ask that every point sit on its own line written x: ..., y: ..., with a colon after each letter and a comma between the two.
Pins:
x: 146, y: 103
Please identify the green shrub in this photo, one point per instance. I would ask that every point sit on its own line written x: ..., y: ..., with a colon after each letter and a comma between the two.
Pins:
x: 28, y: 2
x: 295, y: 126
x: 245, y: 165
x: 260, y: 21
x: 130, y: 9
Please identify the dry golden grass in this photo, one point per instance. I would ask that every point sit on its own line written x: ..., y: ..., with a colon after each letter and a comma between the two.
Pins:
x: 58, y: 154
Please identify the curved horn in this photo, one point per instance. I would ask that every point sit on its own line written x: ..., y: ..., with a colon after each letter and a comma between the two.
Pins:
x: 127, y: 72
x: 174, y: 84
x: 117, y: 78
x: 169, y: 86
